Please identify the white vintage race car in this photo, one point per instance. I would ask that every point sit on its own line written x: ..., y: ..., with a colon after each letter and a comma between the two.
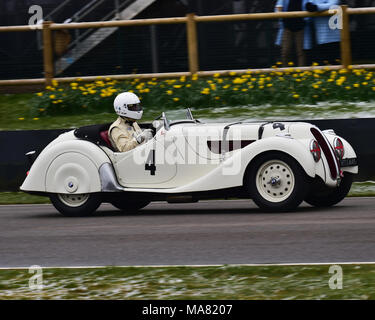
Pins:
x: 277, y: 164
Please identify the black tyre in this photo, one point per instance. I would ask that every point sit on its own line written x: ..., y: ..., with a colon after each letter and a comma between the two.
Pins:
x: 76, y: 205
x: 323, y: 196
x: 128, y: 206
x: 276, y: 182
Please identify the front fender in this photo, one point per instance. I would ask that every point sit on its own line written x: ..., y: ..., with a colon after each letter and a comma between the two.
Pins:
x: 348, y: 152
x: 75, y: 159
x: 295, y: 148
x: 230, y: 173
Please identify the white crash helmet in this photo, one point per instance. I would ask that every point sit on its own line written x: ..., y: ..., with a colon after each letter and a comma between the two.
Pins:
x: 128, y: 105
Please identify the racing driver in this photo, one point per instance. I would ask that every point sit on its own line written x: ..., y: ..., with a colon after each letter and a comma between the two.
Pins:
x: 125, y: 133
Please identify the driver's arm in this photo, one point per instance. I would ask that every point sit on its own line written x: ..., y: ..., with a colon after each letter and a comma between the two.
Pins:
x: 124, y: 141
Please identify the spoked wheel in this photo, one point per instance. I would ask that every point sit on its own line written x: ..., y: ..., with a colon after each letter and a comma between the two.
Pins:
x: 323, y: 196
x: 277, y: 182
x: 76, y: 205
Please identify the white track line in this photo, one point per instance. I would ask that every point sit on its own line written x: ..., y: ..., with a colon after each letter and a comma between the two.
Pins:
x: 201, y: 265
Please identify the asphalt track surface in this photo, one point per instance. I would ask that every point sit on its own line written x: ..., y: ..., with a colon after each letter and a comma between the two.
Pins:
x: 208, y: 232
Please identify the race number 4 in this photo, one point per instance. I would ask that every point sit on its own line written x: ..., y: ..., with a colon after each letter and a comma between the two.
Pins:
x: 150, y: 163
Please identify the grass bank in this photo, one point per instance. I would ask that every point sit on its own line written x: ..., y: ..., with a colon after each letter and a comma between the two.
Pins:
x: 216, y: 282
x: 293, y: 95
x: 253, y: 88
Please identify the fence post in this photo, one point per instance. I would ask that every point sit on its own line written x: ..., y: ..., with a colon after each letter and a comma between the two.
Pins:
x: 346, y: 53
x: 47, y: 53
x: 192, y: 42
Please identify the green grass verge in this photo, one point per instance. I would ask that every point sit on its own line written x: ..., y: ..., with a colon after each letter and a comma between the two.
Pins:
x: 359, y: 189
x: 21, y: 198
x: 16, y: 114
x: 216, y: 282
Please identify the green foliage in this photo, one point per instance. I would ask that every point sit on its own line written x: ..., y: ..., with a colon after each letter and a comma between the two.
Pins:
x: 290, y: 88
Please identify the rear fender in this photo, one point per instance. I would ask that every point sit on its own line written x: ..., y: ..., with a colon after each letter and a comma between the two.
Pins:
x: 67, y: 167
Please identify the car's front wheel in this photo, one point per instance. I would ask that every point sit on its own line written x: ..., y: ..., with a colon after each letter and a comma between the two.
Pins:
x: 323, y: 196
x: 276, y: 182
x: 76, y: 205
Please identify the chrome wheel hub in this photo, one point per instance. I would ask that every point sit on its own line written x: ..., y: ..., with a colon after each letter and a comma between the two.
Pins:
x: 275, y: 181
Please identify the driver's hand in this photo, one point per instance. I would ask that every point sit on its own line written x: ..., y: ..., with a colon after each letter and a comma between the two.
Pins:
x: 146, y: 135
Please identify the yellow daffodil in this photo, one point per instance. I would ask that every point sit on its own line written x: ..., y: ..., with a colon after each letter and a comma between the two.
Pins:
x: 239, y: 81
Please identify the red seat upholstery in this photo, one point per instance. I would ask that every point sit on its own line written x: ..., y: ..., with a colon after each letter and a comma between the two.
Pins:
x: 104, y: 136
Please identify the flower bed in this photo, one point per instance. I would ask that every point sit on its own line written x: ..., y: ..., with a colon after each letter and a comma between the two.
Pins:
x: 276, y: 88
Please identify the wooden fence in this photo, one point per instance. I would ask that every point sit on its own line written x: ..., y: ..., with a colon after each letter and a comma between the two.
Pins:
x: 190, y: 20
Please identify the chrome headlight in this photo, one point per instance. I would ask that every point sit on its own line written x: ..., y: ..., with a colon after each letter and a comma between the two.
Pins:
x: 315, y: 150
x: 338, y: 146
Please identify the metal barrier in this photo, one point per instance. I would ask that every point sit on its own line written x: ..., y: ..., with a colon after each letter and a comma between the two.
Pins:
x: 191, y: 21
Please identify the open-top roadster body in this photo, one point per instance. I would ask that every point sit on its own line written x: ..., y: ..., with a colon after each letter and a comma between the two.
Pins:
x: 277, y: 164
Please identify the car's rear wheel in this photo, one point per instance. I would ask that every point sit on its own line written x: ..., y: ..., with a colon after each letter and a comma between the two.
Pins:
x: 323, y: 196
x: 127, y: 205
x: 276, y: 182
x: 76, y: 205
